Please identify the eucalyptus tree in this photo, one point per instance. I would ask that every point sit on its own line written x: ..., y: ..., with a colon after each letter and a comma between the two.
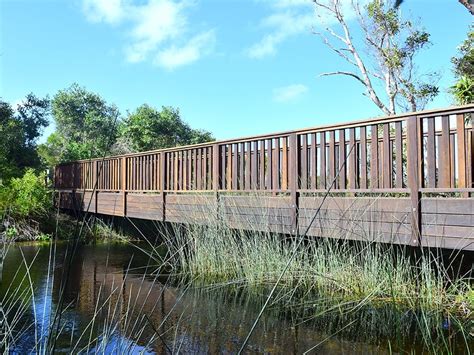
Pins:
x: 386, y: 66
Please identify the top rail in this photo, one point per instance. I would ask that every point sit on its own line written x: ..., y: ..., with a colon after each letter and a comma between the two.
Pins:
x: 420, y: 151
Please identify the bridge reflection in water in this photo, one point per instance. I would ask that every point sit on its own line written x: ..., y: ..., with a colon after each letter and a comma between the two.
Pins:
x: 110, y: 292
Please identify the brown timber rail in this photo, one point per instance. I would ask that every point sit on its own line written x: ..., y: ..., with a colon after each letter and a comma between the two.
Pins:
x: 402, y: 179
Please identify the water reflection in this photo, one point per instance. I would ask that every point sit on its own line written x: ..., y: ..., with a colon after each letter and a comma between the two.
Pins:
x: 114, y: 303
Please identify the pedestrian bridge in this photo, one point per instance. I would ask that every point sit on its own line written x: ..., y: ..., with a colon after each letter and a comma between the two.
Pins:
x: 404, y: 179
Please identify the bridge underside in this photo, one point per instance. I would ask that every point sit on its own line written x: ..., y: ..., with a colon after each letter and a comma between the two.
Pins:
x: 444, y: 222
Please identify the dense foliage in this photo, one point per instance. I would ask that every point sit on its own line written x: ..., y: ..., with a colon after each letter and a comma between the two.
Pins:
x: 86, y: 126
x: 147, y: 129
x: 463, y: 89
x: 89, y: 127
x: 20, y: 128
x: 26, y: 196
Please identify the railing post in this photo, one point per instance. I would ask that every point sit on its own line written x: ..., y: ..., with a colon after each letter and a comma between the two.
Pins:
x: 96, y: 181
x: 293, y: 178
x: 461, y: 154
x: 413, y: 157
x: 215, y: 175
x: 124, y: 184
x: 163, y: 182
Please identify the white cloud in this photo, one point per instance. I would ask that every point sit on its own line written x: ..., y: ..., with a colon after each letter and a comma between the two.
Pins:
x: 109, y: 11
x: 282, y: 25
x: 290, y: 18
x: 174, y: 56
x: 156, y: 30
x: 289, y: 93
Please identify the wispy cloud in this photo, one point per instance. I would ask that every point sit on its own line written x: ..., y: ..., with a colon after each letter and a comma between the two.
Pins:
x: 289, y: 93
x: 173, y: 57
x: 109, y: 11
x: 157, y: 30
x: 289, y: 18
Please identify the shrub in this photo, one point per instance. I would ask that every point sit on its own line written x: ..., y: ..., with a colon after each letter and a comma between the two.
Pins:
x: 27, y: 196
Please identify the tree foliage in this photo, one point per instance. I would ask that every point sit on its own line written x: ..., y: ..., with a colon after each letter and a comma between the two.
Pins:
x: 86, y: 124
x: 89, y: 127
x: 463, y: 89
x: 25, y: 196
x: 387, y: 70
x: 147, y: 128
x: 20, y: 128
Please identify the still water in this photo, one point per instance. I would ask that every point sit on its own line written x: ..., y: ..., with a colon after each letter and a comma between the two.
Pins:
x: 113, y: 301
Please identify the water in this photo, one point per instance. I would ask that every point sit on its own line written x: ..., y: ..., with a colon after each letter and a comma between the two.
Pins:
x: 113, y: 302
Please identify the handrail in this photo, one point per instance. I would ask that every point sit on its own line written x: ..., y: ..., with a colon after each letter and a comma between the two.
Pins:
x: 377, y: 120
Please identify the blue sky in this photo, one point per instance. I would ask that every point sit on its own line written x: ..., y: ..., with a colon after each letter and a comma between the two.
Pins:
x: 233, y: 67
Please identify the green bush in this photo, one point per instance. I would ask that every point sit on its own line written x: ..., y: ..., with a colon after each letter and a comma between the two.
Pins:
x: 27, y: 196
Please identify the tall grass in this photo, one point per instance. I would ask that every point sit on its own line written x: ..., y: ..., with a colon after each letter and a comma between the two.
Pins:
x: 331, y: 268
x: 334, y: 274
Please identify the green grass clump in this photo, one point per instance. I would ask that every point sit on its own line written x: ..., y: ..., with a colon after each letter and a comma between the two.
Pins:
x: 339, y: 269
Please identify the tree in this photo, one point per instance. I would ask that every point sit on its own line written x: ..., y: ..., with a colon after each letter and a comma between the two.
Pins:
x: 147, y: 128
x: 388, y: 71
x: 463, y: 89
x: 86, y: 126
x: 20, y: 128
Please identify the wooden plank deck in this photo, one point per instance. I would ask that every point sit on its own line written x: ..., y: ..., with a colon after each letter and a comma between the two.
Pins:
x: 402, y: 179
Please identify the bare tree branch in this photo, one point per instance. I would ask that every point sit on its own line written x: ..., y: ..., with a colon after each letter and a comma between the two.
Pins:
x: 339, y: 72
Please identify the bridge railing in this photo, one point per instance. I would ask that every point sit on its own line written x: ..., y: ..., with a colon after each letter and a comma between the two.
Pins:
x: 430, y: 151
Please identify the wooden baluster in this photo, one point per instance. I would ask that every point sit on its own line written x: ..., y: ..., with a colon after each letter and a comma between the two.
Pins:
x: 269, y: 164
x: 234, y: 167
x: 322, y: 160
x: 352, y: 169
x: 332, y: 157
x: 399, y: 154
x: 276, y: 165
x: 444, y: 154
x: 229, y: 167
x: 386, y: 158
x: 284, y: 164
x: 314, y: 162
x: 461, y: 150
x: 241, y: 155
x: 248, y: 165
x: 304, y: 161
x: 363, y: 158
x: 342, y: 159
x: 374, y: 157
x: 261, y: 167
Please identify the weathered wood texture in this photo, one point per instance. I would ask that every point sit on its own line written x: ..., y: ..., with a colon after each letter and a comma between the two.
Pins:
x: 419, y: 155
x: 261, y: 213
x: 358, y: 218
x: 448, y: 222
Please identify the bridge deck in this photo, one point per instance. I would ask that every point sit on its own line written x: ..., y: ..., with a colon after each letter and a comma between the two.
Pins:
x: 402, y: 179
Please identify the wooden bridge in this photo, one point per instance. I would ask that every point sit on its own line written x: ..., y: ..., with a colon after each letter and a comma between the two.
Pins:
x: 402, y: 179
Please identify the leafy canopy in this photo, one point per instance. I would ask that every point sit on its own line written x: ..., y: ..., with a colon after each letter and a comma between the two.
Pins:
x: 20, y: 128
x: 463, y: 89
x: 147, y: 128
x: 86, y: 126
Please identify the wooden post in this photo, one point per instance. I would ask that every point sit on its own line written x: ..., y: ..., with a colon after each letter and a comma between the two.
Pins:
x: 123, y: 170
x: 293, y: 181
x: 163, y: 183
x: 413, y: 178
x: 215, y: 175
x: 461, y: 132
x: 96, y: 181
